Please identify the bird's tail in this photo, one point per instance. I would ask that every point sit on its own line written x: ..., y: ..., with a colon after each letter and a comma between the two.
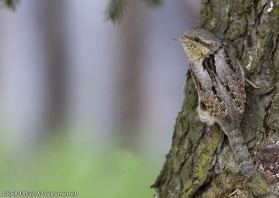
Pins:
x: 241, y: 152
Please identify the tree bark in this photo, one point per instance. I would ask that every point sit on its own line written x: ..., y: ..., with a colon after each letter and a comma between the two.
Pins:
x: 200, y: 162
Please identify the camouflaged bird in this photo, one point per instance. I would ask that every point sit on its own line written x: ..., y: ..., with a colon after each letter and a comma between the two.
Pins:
x: 220, y: 82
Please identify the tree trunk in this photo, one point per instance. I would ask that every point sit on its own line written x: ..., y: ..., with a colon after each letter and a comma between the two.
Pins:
x: 130, y: 90
x: 55, y: 46
x: 200, y: 162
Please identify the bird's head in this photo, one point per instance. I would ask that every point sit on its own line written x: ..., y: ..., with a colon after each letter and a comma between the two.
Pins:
x: 199, y: 42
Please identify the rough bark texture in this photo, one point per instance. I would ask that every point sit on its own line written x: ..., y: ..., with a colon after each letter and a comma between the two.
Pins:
x: 200, y: 162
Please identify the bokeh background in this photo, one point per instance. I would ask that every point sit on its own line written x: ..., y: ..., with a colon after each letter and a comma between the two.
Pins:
x: 87, y: 105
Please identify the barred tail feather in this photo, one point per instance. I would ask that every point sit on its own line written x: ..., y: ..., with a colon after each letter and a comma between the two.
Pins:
x: 241, y: 153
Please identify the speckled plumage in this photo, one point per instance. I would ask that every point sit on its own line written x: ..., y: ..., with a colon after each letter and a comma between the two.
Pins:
x: 220, y: 83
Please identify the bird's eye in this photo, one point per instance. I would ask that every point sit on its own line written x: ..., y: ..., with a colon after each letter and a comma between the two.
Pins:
x: 202, y: 41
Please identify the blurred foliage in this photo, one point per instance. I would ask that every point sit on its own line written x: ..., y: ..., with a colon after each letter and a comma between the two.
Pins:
x: 68, y: 167
x: 10, y: 3
x: 117, y: 8
x: 153, y: 3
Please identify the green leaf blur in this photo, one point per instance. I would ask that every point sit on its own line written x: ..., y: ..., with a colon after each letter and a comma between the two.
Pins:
x: 68, y: 167
x: 10, y: 3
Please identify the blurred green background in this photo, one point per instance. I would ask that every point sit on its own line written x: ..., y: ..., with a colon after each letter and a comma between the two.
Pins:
x: 87, y: 105
x: 68, y: 165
